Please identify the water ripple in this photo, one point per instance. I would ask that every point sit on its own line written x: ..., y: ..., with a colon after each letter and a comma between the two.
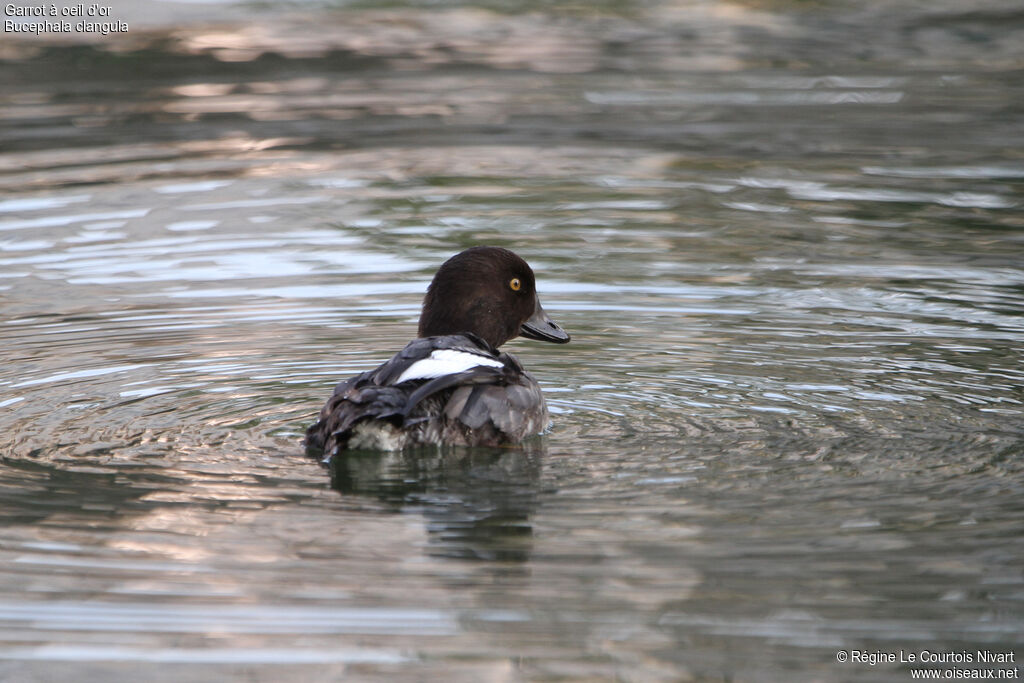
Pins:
x: 787, y: 244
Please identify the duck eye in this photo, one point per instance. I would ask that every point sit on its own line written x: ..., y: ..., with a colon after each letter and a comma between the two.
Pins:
x: 515, y: 284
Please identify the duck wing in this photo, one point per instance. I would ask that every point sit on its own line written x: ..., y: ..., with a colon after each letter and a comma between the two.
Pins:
x: 425, y: 367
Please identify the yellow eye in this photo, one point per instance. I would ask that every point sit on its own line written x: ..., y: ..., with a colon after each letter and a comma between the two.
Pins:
x: 515, y: 284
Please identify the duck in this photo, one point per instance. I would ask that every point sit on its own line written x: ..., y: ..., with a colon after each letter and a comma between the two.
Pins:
x: 450, y: 385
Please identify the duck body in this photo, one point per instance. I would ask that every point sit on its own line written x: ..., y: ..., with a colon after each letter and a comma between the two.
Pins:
x: 452, y: 389
x: 451, y: 385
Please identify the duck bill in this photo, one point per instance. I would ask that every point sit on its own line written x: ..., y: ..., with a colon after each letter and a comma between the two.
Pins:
x: 543, y: 328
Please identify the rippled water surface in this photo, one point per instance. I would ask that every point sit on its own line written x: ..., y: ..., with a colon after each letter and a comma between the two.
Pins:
x: 787, y: 240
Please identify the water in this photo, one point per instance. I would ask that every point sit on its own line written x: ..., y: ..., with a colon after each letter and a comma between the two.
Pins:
x: 787, y: 241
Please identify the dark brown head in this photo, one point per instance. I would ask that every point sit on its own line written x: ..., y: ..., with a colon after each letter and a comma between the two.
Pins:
x: 490, y: 292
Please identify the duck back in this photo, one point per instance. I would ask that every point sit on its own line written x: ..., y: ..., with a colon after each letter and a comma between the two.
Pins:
x: 453, y: 389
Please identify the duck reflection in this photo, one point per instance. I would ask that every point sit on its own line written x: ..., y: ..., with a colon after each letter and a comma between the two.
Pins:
x: 477, y: 502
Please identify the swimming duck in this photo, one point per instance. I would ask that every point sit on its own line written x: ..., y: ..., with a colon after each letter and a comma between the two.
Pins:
x: 451, y: 385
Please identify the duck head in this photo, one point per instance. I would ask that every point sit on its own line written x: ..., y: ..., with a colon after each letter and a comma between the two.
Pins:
x: 490, y: 292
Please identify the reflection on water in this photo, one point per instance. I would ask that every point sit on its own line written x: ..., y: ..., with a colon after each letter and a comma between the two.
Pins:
x: 787, y: 240
x: 477, y: 502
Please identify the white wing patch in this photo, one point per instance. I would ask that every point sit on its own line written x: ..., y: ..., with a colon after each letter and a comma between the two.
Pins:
x: 442, y: 362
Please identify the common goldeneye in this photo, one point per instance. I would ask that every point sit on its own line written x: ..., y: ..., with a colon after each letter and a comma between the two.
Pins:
x: 451, y: 385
